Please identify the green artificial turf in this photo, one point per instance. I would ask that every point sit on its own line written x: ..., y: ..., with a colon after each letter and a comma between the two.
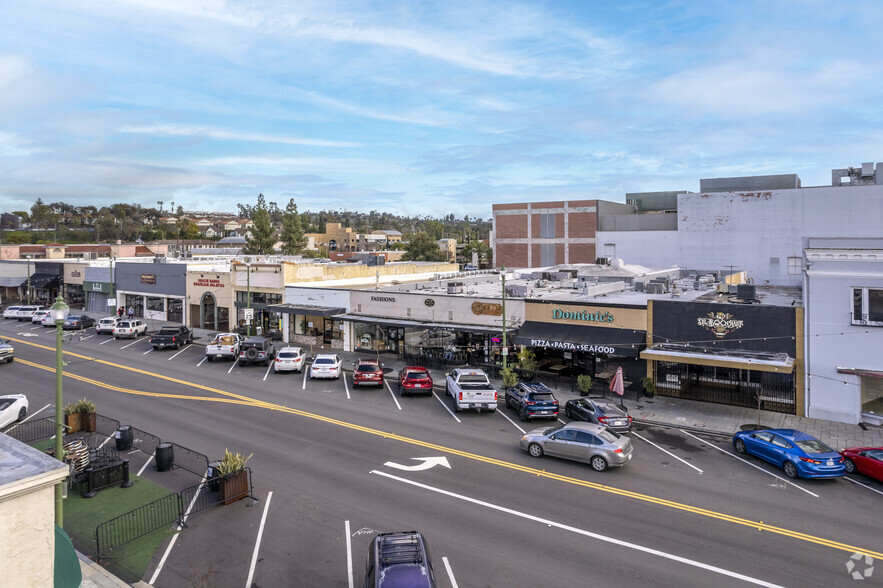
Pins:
x: 83, y: 515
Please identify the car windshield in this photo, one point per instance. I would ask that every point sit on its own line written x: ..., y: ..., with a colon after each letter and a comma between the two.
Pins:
x: 72, y: 319
x: 323, y: 361
x: 367, y: 367
x: 472, y: 379
x: 107, y: 321
x: 813, y: 446
x: 542, y: 397
x: 417, y: 375
x: 551, y: 430
x: 609, y: 436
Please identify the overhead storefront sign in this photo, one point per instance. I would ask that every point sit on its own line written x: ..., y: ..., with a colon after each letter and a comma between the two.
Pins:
x: 429, y: 302
x: 208, y: 283
x: 583, y: 338
x: 383, y: 299
x: 596, y: 317
x: 488, y: 308
x: 572, y: 346
x: 75, y: 274
x: 720, y: 323
x: 149, y: 279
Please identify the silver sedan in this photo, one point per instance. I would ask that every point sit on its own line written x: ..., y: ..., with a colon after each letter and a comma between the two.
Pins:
x: 587, y: 442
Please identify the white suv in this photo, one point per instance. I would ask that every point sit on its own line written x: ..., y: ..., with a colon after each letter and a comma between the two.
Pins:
x: 326, y: 366
x: 106, y: 325
x: 129, y: 328
x: 290, y: 359
x: 26, y: 312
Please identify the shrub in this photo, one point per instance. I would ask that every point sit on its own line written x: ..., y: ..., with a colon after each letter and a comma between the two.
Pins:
x: 233, y: 463
x: 510, y: 378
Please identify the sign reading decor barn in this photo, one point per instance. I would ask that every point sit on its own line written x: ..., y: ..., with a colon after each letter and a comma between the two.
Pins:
x: 149, y: 279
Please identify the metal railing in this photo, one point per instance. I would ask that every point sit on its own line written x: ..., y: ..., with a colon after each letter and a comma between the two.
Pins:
x: 136, y: 523
x: 144, y: 441
x: 209, y: 493
x: 30, y: 431
x: 192, y: 461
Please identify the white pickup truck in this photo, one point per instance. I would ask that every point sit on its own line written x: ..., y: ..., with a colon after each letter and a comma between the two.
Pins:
x: 471, y: 389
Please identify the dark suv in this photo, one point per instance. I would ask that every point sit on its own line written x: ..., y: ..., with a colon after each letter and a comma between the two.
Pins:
x: 399, y: 560
x: 532, y: 400
x: 257, y: 350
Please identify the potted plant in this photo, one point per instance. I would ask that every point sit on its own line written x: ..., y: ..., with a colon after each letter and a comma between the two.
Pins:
x: 510, y: 378
x: 72, y: 418
x: 234, y: 477
x: 584, y: 383
x: 86, y: 408
x: 648, y: 386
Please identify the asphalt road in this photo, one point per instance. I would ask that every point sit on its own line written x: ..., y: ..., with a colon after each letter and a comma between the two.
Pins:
x: 684, y: 512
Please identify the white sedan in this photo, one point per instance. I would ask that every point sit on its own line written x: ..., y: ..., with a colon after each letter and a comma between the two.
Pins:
x: 46, y: 320
x: 326, y: 366
x: 13, y: 408
x: 11, y: 312
x: 38, y: 316
x: 290, y: 359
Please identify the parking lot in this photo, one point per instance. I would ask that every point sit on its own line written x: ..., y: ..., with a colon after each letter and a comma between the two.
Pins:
x: 334, y: 464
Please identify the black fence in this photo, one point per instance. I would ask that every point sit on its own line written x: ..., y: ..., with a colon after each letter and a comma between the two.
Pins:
x: 144, y: 441
x: 209, y: 493
x: 106, y: 426
x: 31, y: 431
x: 101, y: 475
x: 136, y: 523
x: 192, y: 461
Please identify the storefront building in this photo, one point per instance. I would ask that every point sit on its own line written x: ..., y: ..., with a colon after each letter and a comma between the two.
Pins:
x: 98, y: 290
x: 46, y: 281
x: 210, y: 297
x: 413, y: 326
x: 310, y: 316
x: 153, y: 290
x: 581, y: 338
x: 258, y: 286
x: 74, y: 276
x: 746, y: 355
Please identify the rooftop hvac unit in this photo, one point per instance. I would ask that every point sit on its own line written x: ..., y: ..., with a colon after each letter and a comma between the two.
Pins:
x: 603, y: 261
x: 567, y: 283
x: 746, y: 291
x: 655, y: 288
x: 455, y: 287
x: 518, y: 290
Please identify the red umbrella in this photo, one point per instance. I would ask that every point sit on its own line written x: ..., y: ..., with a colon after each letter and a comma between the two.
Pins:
x: 616, y: 384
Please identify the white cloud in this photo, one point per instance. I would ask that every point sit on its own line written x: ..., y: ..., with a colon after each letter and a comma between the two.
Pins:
x: 211, y: 133
x: 12, y: 69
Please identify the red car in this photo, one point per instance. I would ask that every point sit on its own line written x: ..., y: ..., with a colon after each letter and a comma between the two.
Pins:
x: 413, y: 379
x: 368, y: 371
x: 864, y: 460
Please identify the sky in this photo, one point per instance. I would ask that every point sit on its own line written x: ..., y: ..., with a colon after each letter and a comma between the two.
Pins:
x: 427, y: 108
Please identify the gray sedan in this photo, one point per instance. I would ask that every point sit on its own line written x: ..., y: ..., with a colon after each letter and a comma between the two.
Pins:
x: 587, y: 442
x: 599, y: 412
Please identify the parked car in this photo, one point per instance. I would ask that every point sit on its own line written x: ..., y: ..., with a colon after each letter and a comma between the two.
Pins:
x: 13, y: 408
x: 129, y: 328
x: 599, y: 412
x: 414, y: 379
x: 106, y: 325
x: 224, y: 345
x: 587, y: 442
x: 864, y: 460
x: 796, y: 452
x: 25, y: 313
x: 290, y: 359
x: 471, y: 388
x: 399, y: 560
x: 368, y: 371
x: 257, y: 350
x: 7, y: 353
x: 326, y: 365
x: 172, y: 336
x: 78, y: 321
x: 47, y: 320
x: 38, y: 316
x: 11, y: 312
x: 532, y: 400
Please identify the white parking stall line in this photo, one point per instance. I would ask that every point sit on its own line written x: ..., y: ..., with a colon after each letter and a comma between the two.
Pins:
x: 257, y: 545
x: 349, y: 553
x: 392, y: 394
x: 749, y: 463
x: 450, y: 572
x: 345, y: 385
x: 144, y: 467
x: 106, y: 342
x: 446, y: 407
x: 27, y: 418
x: 514, y: 424
x: 267, y: 373
x: 10, y: 322
x: 562, y: 422
x: 306, y: 373
x: 639, y: 436
x: 35, y: 328
x: 165, y: 556
x: 146, y: 352
x: 202, y: 361
x: 235, y: 363
x: 103, y: 443
x: 87, y: 337
x: 183, y: 349
x: 584, y: 533
x: 863, y: 485
x: 132, y: 343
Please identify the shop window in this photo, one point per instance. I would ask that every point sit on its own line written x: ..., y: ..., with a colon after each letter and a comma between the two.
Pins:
x: 872, y: 395
x: 155, y: 304
x: 795, y: 266
x: 176, y: 310
x: 867, y: 307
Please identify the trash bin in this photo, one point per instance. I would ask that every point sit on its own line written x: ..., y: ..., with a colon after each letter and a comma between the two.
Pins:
x: 214, y: 481
x: 165, y: 457
x: 124, y: 438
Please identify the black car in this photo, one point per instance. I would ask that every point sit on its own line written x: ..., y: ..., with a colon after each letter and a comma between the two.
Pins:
x: 257, y: 350
x: 78, y: 321
x: 599, y: 412
x: 399, y: 560
x: 532, y: 400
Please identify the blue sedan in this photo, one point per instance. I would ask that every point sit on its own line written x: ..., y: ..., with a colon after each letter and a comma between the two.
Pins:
x: 797, y: 453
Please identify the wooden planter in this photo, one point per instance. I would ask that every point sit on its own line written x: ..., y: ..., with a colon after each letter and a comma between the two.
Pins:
x: 72, y: 422
x: 87, y: 422
x: 234, y: 487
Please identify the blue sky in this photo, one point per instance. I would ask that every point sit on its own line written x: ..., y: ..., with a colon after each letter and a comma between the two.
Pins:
x: 427, y: 107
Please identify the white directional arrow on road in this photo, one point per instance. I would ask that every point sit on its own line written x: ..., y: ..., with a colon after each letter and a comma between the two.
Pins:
x: 29, y: 334
x: 428, y: 462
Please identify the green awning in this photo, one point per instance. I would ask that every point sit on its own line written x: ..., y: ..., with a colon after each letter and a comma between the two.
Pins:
x: 67, y: 564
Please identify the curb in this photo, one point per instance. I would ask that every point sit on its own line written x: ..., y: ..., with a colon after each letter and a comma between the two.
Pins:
x: 684, y: 427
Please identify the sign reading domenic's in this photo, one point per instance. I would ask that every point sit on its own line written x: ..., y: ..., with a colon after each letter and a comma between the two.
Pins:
x: 598, y: 316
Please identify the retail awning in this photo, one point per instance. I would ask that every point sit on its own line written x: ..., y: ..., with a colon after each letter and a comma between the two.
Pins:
x: 40, y: 280
x: 308, y: 309
x: 742, y: 359
x: 607, y: 340
x: 356, y: 318
x: 860, y: 372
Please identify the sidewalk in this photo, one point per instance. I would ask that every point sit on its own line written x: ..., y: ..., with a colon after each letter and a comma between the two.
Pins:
x: 94, y: 576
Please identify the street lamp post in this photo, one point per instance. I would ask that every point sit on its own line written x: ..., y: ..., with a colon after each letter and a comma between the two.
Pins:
x: 113, y: 286
x: 505, y: 347
x: 248, y: 295
x: 29, y: 278
x: 58, y: 312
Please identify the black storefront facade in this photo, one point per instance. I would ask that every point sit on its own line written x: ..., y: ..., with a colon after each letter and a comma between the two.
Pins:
x: 570, y: 339
x: 735, y: 354
x: 46, y: 281
x: 153, y: 290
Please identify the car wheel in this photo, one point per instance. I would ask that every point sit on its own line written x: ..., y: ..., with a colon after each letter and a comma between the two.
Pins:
x: 535, y: 450
x: 740, y: 446
x: 10, y: 360
x: 155, y: 348
x: 567, y: 412
x: 850, y: 466
x: 22, y: 413
x: 522, y: 415
x: 208, y: 358
x: 177, y: 346
x: 447, y: 390
x: 508, y: 403
x: 790, y: 469
x: 599, y: 464
x: 401, y: 391
x: 115, y: 337
x: 457, y: 407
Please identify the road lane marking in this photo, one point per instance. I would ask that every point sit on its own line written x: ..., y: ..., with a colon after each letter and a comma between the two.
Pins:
x: 130, y: 344
x: 106, y: 342
x: 26, y: 419
x: 514, y: 424
x: 177, y: 533
x: 596, y: 536
x: 306, y: 371
x: 346, y: 386
x: 639, y: 436
x: 446, y: 407
x: 450, y: 572
x: 202, y: 361
x: 396, y: 400
x: 267, y: 373
x: 146, y: 352
x: 144, y: 467
x: 235, y: 363
x: 864, y: 485
x: 257, y: 545
x: 183, y: 349
x: 87, y: 337
x: 751, y: 464
x: 349, y: 552
x: 35, y: 328
x: 233, y: 398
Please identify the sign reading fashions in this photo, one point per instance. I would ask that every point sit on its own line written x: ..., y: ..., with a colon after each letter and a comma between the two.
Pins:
x: 149, y: 279
x: 383, y: 299
x: 720, y: 323
x: 598, y: 316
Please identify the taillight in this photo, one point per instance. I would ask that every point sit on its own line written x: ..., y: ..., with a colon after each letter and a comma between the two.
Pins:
x: 531, y: 402
x: 232, y: 350
x: 617, y: 451
x: 277, y: 359
x: 554, y: 402
x: 604, y: 419
x: 174, y: 338
x: 809, y: 460
x: 495, y: 395
x: 461, y: 396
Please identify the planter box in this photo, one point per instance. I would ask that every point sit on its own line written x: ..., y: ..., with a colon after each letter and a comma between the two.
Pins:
x: 72, y: 421
x: 87, y: 422
x: 234, y: 487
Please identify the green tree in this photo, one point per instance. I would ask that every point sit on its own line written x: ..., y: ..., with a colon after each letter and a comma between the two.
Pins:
x: 190, y: 230
x: 422, y: 247
x: 263, y: 238
x: 485, y: 253
x: 435, y: 229
x: 23, y: 216
x: 293, y: 239
x: 42, y: 215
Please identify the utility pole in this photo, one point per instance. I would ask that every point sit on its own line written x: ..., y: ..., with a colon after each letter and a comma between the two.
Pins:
x: 505, y: 346
x: 29, y: 278
x: 113, y: 286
